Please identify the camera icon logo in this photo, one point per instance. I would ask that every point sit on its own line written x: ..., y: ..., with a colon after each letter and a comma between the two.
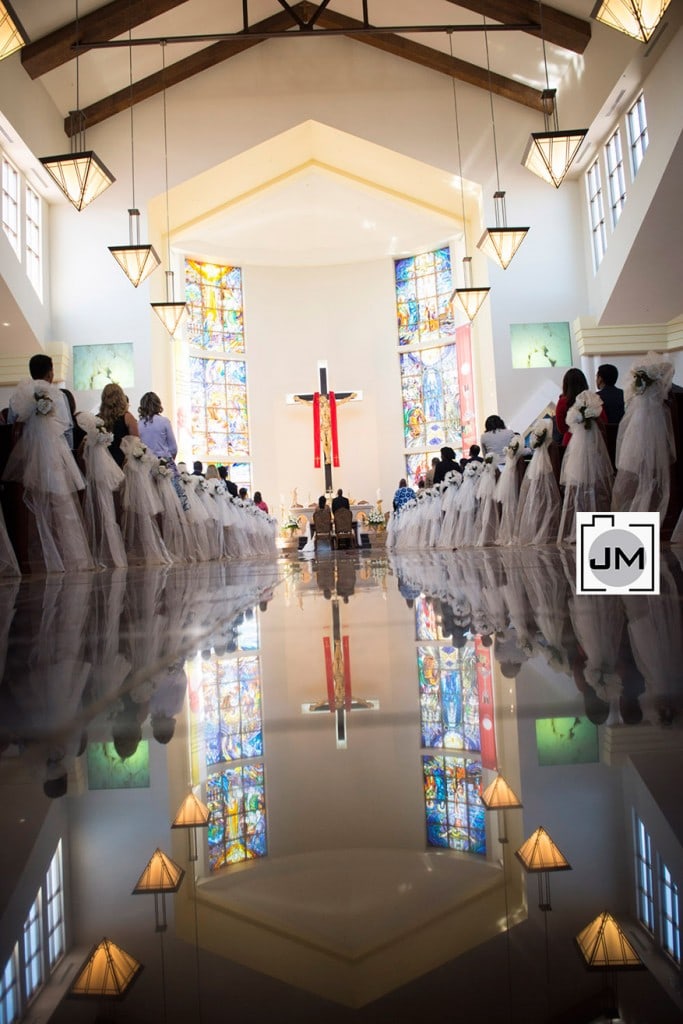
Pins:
x: 617, y: 553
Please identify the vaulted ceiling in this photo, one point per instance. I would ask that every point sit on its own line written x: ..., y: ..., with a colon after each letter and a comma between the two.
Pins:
x: 120, y: 43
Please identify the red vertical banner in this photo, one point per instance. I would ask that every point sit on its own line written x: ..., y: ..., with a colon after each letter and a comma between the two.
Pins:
x: 487, y: 729
x: 316, y: 430
x: 468, y: 413
x: 333, y: 429
x: 329, y: 673
x: 347, y: 673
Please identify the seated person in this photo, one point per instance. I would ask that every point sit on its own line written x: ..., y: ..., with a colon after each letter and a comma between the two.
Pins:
x: 322, y: 517
x: 339, y: 501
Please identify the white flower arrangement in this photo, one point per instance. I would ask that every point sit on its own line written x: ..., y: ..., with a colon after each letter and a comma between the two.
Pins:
x: 473, y: 469
x: 44, y: 404
x: 138, y: 450
x: 186, y: 478
x: 541, y: 433
x: 649, y: 371
x: 513, y: 446
x: 453, y: 478
x: 101, y: 434
x: 489, y: 459
x: 586, y: 408
x: 376, y: 518
x: 202, y: 484
x: 220, y: 487
x: 162, y: 468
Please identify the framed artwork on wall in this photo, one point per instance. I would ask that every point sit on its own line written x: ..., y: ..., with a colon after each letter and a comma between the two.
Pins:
x: 535, y: 346
x: 566, y: 741
x: 98, y: 365
x: 107, y: 770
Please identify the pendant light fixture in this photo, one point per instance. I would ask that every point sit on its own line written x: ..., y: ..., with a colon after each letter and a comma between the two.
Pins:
x: 12, y: 35
x: 550, y: 153
x: 500, y: 243
x: 468, y: 298
x: 136, y: 260
x: 636, y: 18
x: 80, y: 174
x: 169, y: 312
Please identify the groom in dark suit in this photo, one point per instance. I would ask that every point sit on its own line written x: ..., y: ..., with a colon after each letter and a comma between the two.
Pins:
x: 612, y: 397
x: 340, y: 501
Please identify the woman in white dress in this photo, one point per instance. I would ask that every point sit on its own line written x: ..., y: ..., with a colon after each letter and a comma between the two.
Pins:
x: 507, y: 490
x: 103, y: 478
x: 42, y: 462
x: 645, y: 442
x: 538, y: 513
x: 586, y: 473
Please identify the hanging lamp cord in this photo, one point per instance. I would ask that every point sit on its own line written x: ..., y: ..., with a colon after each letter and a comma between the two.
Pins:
x: 457, y: 135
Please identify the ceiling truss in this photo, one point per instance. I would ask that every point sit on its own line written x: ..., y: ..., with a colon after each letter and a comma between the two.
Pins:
x: 103, y: 28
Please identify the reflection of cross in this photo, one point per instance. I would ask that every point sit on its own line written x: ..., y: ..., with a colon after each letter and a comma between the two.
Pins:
x: 325, y: 438
x: 339, y: 698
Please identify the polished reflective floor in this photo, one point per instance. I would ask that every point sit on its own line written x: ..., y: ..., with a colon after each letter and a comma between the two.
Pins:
x: 341, y: 716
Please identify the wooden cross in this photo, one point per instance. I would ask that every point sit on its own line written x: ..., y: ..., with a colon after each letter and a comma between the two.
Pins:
x: 325, y: 440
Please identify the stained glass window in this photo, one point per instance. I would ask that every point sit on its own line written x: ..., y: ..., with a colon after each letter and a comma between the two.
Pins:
x: 237, y: 827
x: 455, y: 813
x: 436, y: 391
x: 211, y: 372
x: 215, y: 319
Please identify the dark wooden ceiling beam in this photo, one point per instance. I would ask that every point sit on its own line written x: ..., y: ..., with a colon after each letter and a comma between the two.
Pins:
x: 436, y: 60
x: 558, y: 28
x: 175, y: 73
x: 107, y: 22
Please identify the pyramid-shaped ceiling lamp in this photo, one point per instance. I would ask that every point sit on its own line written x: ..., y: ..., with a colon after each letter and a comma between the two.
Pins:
x: 12, y: 35
x: 136, y: 260
x: 549, y: 154
x: 192, y: 814
x: 604, y: 946
x: 469, y: 299
x: 636, y: 18
x: 107, y: 973
x: 502, y: 242
x: 498, y: 795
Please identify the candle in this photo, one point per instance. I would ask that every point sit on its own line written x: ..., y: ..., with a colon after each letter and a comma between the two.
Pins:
x: 379, y: 494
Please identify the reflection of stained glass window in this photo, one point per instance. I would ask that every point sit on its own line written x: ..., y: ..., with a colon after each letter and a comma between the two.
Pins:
x: 231, y: 691
x: 449, y: 697
x: 437, y: 405
x: 211, y: 379
x: 237, y: 828
x: 427, y: 623
x: 455, y: 813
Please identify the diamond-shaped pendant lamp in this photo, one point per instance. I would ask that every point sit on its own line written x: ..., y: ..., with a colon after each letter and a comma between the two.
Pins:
x: 170, y: 312
x: 137, y: 261
x: 469, y: 298
x: 636, y: 18
x: 549, y: 154
x: 12, y: 35
x: 81, y: 176
x: 502, y: 242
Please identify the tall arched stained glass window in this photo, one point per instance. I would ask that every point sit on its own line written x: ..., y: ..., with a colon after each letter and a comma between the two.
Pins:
x: 212, y: 376
x: 435, y: 362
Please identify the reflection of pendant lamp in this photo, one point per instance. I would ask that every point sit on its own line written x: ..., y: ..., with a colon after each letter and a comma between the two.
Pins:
x: 539, y: 855
x: 498, y: 797
x: 636, y: 18
x: 169, y: 312
x: 605, y: 947
x: 12, y: 35
x: 80, y: 174
x: 136, y: 261
x: 192, y: 814
x: 107, y: 973
x: 550, y: 153
x: 500, y: 243
x: 468, y: 298
x: 161, y: 875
